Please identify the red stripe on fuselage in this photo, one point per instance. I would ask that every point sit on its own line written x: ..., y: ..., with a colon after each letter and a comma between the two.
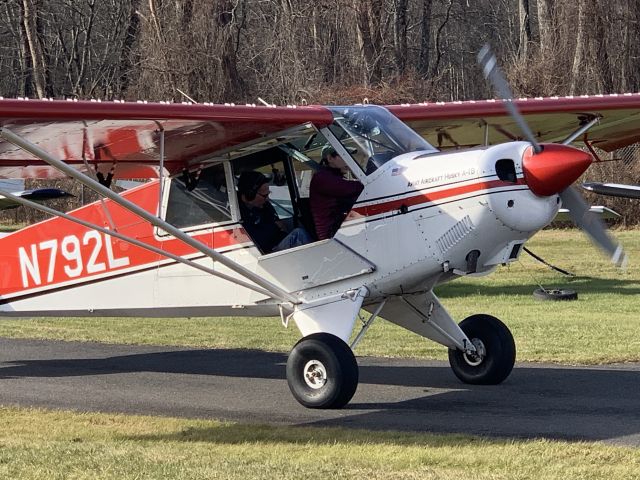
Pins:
x: 57, y: 251
x: 430, y: 197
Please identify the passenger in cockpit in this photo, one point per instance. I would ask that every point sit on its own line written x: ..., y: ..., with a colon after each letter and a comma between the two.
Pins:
x: 331, y: 196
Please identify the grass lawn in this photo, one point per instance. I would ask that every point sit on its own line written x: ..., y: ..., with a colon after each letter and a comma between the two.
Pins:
x: 600, y: 327
x: 36, y: 444
x: 9, y: 227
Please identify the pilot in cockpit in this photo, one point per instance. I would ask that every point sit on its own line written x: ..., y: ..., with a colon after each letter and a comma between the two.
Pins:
x: 260, y: 219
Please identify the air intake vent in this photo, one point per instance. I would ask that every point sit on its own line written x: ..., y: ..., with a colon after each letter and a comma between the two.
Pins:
x: 506, y: 170
x: 456, y: 233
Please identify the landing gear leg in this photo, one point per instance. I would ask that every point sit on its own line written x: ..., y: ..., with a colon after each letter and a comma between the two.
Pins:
x: 322, y: 371
x: 494, y: 356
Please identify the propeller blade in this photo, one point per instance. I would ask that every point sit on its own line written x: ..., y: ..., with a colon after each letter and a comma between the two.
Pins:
x: 592, y: 226
x: 494, y: 75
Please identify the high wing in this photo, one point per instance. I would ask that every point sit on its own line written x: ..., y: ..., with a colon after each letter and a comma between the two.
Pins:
x: 37, y: 195
x: 97, y: 135
x: 472, y: 123
x: 93, y: 134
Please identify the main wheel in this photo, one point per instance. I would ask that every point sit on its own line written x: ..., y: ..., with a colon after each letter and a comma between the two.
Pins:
x: 322, y: 371
x: 495, y: 352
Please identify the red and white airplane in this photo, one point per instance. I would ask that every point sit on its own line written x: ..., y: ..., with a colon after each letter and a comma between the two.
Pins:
x: 176, y: 245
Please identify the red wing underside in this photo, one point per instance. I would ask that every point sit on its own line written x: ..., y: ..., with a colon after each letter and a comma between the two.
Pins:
x: 129, y: 134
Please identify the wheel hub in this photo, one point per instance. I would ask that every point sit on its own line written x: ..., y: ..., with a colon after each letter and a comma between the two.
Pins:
x: 475, y: 358
x: 315, y: 375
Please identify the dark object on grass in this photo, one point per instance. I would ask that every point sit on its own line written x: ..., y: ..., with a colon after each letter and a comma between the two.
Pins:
x: 555, y: 294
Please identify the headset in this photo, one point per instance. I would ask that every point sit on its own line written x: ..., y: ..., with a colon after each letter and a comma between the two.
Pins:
x: 249, y: 183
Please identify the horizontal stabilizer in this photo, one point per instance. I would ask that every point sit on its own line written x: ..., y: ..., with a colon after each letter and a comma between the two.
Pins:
x: 613, y: 189
x: 37, y: 195
x: 602, y: 212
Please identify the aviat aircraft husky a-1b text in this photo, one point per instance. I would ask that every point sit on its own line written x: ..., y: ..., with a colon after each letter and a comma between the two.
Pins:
x: 177, y: 246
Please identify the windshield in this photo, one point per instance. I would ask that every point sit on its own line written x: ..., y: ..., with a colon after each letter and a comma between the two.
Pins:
x: 373, y: 135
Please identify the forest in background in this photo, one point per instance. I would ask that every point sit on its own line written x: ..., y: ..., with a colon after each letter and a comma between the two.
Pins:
x: 325, y: 51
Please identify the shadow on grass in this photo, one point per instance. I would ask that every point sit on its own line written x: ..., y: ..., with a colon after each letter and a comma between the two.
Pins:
x: 238, y: 434
x: 402, y: 395
x: 584, y: 285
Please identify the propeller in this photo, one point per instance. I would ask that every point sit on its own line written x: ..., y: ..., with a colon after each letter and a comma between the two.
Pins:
x: 494, y: 75
x: 552, y: 168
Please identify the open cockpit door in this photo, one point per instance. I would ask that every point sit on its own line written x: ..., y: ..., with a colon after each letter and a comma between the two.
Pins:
x: 313, y: 265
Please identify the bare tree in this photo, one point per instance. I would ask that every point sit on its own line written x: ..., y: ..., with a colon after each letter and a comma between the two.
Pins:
x: 439, y: 39
x: 368, y: 21
x: 34, y: 42
x: 400, y: 35
x: 578, y: 57
x: 546, y: 25
x: 425, y: 37
x: 524, y: 23
x: 129, y: 56
x: 600, y: 47
x: 225, y: 14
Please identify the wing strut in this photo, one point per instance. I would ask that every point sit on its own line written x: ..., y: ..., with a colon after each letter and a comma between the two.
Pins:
x: 161, y: 169
x: 273, y: 290
x: 583, y: 128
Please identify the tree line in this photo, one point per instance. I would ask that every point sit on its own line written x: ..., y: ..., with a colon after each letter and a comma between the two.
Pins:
x: 290, y: 51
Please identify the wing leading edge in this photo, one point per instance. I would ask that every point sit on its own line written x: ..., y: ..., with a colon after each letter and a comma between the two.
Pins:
x: 613, y: 189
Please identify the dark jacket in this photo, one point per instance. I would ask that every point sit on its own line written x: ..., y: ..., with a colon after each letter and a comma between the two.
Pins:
x: 331, y: 197
x: 260, y: 224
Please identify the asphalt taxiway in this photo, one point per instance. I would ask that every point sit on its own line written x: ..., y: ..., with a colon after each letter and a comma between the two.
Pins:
x: 557, y: 402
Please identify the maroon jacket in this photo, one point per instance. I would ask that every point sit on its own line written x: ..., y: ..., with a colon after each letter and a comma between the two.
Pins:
x: 331, y: 197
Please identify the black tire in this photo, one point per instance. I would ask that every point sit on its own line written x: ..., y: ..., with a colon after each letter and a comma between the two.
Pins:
x: 495, y: 365
x: 336, y: 370
x: 555, y: 294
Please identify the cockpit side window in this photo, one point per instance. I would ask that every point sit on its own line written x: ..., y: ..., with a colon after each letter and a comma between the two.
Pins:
x: 199, y: 198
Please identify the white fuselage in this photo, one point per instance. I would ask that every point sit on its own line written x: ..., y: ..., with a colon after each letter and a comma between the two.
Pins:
x: 420, y: 220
